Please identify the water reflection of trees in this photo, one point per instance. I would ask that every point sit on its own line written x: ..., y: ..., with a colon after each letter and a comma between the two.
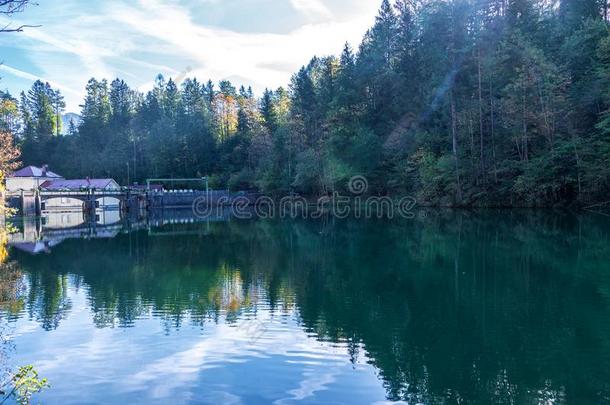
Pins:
x: 11, y: 304
x: 47, y: 300
x: 502, y: 307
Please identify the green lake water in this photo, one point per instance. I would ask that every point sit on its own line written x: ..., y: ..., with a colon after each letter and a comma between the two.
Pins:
x: 448, y: 307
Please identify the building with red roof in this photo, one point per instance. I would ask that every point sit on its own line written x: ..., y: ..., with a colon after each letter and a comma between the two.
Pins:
x: 30, y: 178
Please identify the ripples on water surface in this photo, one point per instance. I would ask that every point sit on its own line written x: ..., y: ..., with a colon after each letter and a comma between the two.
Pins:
x: 451, y: 307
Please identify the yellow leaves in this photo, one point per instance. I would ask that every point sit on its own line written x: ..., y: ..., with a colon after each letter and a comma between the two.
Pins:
x: 8, y: 110
x: 226, y: 107
x: 10, y: 279
x: 9, y: 154
x: 3, y: 245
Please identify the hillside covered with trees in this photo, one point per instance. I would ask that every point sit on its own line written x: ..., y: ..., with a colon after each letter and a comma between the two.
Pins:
x: 463, y: 102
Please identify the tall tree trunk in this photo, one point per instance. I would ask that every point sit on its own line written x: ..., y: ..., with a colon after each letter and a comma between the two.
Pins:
x: 453, y: 51
x: 493, y: 128
x: 471, y: 133
x: 57, y: 120
x: 455, y: 147
x: 135, y: 160
x: 524, y: 139
x: 548, y: 130
x: 482, y: 157
x: 577, y: 158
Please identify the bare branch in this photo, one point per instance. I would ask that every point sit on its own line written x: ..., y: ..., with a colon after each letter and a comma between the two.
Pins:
x: 13, y: 6
x: 10, y: 7
x: 18, y: 29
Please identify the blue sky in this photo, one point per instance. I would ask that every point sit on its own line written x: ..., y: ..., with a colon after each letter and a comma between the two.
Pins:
x: 251, y: 42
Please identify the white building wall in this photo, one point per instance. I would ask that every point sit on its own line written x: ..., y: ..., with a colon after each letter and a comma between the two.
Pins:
x: 25, y: 183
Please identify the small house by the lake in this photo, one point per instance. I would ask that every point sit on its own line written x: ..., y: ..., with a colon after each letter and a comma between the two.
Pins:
x: 30, y: 178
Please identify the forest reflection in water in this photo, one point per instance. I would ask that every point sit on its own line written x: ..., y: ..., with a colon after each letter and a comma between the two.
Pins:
x: 490, y: 306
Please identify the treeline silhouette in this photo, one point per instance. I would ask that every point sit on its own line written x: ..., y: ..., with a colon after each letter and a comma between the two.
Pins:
x: 495, y: 102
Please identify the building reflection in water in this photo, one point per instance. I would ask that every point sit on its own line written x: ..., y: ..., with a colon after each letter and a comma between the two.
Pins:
x: 40, y: 234
x: 454, y: 307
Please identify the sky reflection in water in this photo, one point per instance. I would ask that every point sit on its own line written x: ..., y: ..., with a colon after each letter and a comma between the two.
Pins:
x: 452, y: 306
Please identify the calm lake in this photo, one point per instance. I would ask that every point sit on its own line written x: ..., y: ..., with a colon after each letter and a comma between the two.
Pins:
x: 450, y: 307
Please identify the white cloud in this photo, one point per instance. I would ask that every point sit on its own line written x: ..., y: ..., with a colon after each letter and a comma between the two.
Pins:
x: 135, y: 40
x: 29, y: 76
x: 267, y: 59
x: 89, y: 52
x: 312, y: 7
